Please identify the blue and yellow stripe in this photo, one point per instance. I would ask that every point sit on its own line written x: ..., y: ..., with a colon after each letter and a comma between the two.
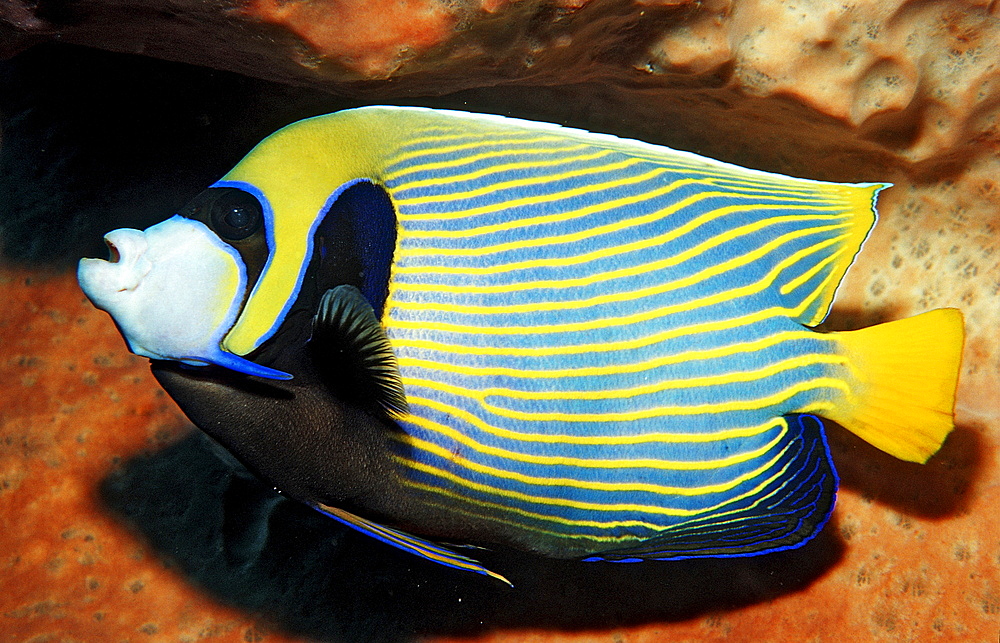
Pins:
x: 602, y: 342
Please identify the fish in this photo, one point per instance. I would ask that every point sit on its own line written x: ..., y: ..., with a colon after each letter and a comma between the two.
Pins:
x: 443, y: 327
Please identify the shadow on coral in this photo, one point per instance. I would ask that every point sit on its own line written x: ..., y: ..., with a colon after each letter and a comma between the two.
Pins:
x: 236, y: 538
x: 937, y: 489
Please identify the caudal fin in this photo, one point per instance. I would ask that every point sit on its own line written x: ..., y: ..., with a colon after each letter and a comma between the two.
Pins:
x: 906, y: 373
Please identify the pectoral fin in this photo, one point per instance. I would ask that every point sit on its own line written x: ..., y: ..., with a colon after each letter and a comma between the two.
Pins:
x: 353, y: 350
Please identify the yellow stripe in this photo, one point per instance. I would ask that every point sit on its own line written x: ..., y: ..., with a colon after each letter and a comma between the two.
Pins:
x: 606, y: 542
x: 590, y: 439
x: 603, y: 206
x: 639, y: 269
x: 598, y: 231
x: 584, y: 463
x: 753, y: 404
x: 576, y: 504
x: 605, y: 253
x: 712, y: 180
x: 445, y: 134
x: 666, y: 385
x: 562, y: 535
x: 475, y: 144
x: 680, y: 527
x: 574, y: 483
x: 595, y: 524
x: 667, y: 157
x: 610, y: 322
x: 572, y: 535
x: 472, y: 158
x: 582, y: 371
x: 558, y: 217
x: 537, y: 199
x: 603, y: 347
x: 451, y: 179
x: 513, y: 183
x: 718, y: 518
x: 628, y: 295
x: 724, y: 324
x: 809, y: 274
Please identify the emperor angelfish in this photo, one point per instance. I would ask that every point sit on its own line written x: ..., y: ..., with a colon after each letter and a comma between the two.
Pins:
x: 440, y: 326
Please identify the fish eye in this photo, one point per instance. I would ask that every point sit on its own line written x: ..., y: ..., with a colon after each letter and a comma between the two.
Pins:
x: 236, y: 215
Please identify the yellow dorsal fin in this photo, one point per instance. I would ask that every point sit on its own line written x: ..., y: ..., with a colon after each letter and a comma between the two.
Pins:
x: 906, y: 373
x: 831, y: 265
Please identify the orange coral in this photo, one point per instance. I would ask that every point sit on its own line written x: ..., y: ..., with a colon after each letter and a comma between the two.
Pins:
x: 372, y: 38
x: 899, y: 91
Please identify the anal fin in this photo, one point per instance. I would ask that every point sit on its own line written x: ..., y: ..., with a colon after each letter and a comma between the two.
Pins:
x: 785, y: 514
x: 409, y: 543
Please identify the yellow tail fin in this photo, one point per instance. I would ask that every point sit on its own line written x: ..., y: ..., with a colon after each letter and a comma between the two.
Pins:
x: 907, y: 372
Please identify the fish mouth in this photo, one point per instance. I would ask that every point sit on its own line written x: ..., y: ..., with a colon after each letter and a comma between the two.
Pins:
x: 114, y: 256
x: 124, y: 269
x: 126, y: 246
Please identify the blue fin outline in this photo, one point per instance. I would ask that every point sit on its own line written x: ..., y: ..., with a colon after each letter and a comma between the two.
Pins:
x: 804, y: 512
x: 242, y: 365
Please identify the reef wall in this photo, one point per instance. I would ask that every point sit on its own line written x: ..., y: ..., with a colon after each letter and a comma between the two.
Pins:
x: 900, y: 91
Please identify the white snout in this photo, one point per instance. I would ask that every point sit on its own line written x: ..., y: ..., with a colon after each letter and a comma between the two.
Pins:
x: 174, y: 289
x: 105, y: 280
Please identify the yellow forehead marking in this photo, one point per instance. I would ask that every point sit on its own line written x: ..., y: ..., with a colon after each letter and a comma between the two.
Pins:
x: 294, y: 172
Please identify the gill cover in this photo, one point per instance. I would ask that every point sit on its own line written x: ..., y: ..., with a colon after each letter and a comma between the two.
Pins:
x: 174, y: 290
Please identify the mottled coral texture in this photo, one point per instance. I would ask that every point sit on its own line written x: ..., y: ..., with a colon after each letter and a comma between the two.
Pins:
x: 904, y: 91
